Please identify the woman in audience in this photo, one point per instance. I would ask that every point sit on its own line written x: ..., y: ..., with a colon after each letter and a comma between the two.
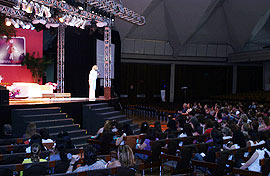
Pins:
x: 144, y: 128
x: 35, y: 155
x: 90, y: 160
x: 151, y: 135
x: 35, y: 139
x: 125, y: 157
x: 31, y: 129
x: 253, y: 164
x: 7, y: 132
x: 107, y: 127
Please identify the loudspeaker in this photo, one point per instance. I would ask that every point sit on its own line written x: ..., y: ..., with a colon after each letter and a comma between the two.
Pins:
x: 4, y: 97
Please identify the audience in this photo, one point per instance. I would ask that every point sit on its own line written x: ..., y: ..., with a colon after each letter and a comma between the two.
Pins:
x: 90, y: 160
x: 31, y: 129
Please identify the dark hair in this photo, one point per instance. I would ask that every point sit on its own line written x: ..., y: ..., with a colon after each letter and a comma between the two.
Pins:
x: 7, y: 128
x: 217, y: 137
x: 144, y: 127
x: 157, y: 126
x: 127, y: 130
x: 151, y: 134
x: 239, y: 138
x: 36, y: 139
x: 90, y: 156
x: 188, y: 129
x: 172, y: 125
x: 64, y: 138
x: 44, y: 133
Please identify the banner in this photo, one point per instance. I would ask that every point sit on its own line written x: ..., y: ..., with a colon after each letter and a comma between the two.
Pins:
x: 12, y: 51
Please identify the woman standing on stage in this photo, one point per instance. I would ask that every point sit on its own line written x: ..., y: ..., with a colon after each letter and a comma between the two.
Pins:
x: 92, y: 82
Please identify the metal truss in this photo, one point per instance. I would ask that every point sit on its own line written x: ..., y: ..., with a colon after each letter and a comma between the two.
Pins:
x: 107, y: 57
x: 118, y: 10
x: 60, y: 59
x: 70, y: 10
x: 13, y: 12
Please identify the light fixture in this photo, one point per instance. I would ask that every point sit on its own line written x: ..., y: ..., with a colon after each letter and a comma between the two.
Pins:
x: 30, y: 7
x: 62, y: 19
x: 73, y: 21
x: 101, y: 24
x: 15, y: 24
x: 22, y: 25
x: 27, y: 26
x: 7, y: 22
x: 32, y: 27
x: 24, y: 5
x: 86, y: 22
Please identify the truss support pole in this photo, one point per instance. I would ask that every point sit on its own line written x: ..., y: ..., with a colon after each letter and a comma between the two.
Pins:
x: 60, y: 58
x: 107, y: 63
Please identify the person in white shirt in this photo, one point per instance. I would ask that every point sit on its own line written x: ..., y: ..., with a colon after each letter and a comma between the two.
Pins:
x: 92, y: 82
x: 253, y: 164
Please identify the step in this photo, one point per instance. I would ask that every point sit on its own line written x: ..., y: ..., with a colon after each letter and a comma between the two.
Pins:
x: 117, y: 118
x: 42, y: 117
x: 72, y: 134
x: 98, y: 105
x: 67, y: 128
x: 110, y: 114
x: 80, y: 140
x: 37, y: 111
x: 51, y: 123
x: 77, y: 146
x: 136, y: 131
x: 126, y: 121
x: 103, y: 110
x: 134, y: 126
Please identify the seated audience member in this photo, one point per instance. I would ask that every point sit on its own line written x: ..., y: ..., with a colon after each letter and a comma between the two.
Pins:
x: 127, y: 129
x: 157, y: 127
x: 144, y: 128
x: 171, y: 127
x: 150, y: 136
x: 35, y: 139
x: 45, y: 135
x: 35, y: 155
x: 125, y: 157
x: 90, y: 160
x: 107, y: 127
x: 7, y: 132
x: 64, y: 137
x: 114, y: 126
x: 253, y: 164
x: 31, y: 129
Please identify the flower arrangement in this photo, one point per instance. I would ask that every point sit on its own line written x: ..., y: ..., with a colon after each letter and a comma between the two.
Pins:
x: 14, y: 92
x: 52, y: 84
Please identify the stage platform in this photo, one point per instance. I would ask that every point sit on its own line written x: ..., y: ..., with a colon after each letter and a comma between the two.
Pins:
x: 35, y: 101
x: 71, y: 106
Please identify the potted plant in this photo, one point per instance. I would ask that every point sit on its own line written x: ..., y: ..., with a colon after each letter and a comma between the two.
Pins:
x: 37, y: 65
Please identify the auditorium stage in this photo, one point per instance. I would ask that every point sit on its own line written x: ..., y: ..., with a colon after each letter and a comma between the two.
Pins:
x: 71, y: 106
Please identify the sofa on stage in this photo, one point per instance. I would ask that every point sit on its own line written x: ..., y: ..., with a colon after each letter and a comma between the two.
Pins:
x: 31, y: 90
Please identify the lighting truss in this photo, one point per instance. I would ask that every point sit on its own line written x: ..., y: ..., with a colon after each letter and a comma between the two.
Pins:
x: 118, y: 10
x: 70, y: 10
x: 13, y: 12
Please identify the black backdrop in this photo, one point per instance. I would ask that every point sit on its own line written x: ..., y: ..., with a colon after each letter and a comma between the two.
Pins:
x: 80, y: 56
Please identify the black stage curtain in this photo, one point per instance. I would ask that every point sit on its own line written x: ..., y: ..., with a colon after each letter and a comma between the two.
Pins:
x: 80, y: 56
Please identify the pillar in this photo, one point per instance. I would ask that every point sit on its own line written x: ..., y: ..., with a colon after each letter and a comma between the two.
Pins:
x: 234, y: 83
x: 172, y: 83
x: 266, y: 76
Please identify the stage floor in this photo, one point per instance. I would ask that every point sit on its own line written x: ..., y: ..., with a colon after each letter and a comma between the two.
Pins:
x: 36, y: 101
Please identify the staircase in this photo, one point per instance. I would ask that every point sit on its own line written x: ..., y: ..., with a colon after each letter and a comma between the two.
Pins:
x: 95, y: 115
x: 50, y: 118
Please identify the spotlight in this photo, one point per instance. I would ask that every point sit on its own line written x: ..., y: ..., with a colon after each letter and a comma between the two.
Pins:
x: 68, y: 19
x: 15, y: 24
x: 38, y: 10
x: 22, y: 25
x: 79, y: 22
x: 62, y: 19
x: 72, y: 22
x: 30, y: 7
x: 86, y: 22
x: 27, y: 26
x: 7, y: 22
x: 24, y: 5
x: 47, y: 12
x: 32, y: 27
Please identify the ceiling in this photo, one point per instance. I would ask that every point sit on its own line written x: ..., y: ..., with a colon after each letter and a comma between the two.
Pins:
x: 182, y: 22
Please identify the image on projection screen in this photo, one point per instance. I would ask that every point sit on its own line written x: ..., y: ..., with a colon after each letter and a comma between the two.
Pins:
x: 100, y: 58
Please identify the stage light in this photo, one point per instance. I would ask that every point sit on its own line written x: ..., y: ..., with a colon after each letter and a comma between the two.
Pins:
x: 47, y: 12
x: 86, y: 22
x: 27, y: 26
x: 32, y: 27
x: 101, y: 24
x: 79, y: 22
x: 7, y: 22
x: 30, y: 7
x: 17, y: 5
x: 24, y: 5
x: 15, y: 24
x: 62, y: 19
x: 68, y: 19
x: 22, y: 25
x: 73, y: 21
x: 41, y: 21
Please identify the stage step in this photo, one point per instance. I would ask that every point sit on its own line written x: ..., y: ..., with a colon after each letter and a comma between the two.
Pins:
x: 57, y: 129
x: 136, y: 131
x: 41, y: 117
x: 126, y: 121
x: 80, y: 140
x: 104, y: 110
x: 110, y: 114
x: 37, y: 111
x: 119, y: 117
x: 52, y: 123
x: 72, y: 134
x: 96, y: 106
